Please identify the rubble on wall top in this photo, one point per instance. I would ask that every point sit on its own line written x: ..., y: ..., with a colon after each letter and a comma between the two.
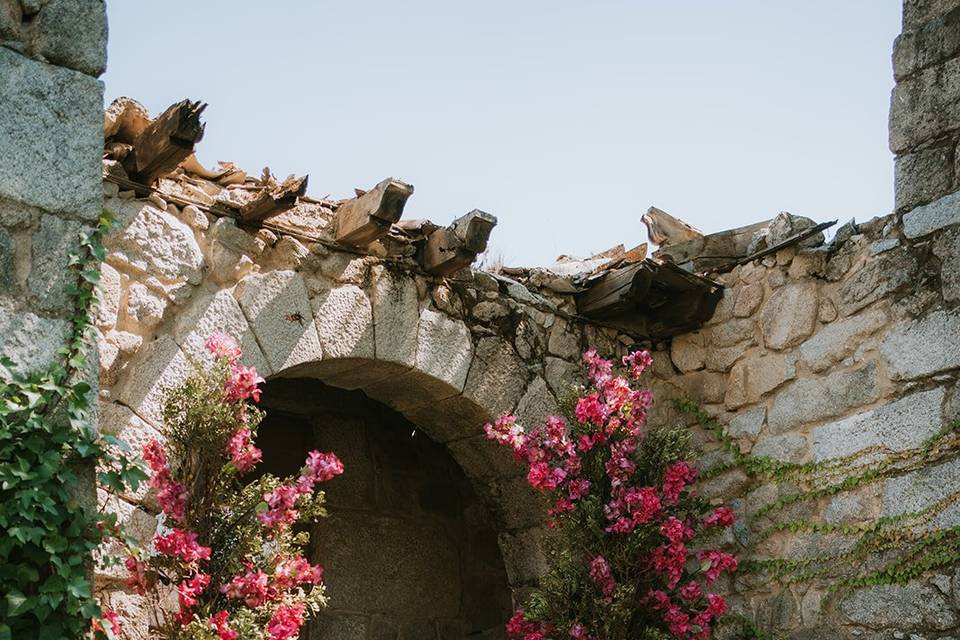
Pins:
x: 652, y: 295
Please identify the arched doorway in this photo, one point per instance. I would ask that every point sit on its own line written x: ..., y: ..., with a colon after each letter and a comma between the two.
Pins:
x: 409, y: 549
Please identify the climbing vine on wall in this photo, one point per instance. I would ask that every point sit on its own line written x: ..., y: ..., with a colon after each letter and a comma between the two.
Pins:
x: 49, y: 451
x: 890, y: 549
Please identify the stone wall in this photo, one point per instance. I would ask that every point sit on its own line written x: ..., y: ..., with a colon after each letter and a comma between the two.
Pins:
x: 925, y: 105
x: 816, y: 354
x: 51, y: 133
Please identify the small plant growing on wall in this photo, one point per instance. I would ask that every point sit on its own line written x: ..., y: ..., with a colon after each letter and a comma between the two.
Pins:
x: 227, y: 560
x: 622, y: 559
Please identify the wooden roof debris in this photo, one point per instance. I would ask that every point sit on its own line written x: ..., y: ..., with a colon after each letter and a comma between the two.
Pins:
x: 665, y: 230
x: 362, y: 220
x: 652, y: 296
x: 452, y: 248
x: 165, y: 143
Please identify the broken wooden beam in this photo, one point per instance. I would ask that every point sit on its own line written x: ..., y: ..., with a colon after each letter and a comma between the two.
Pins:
x: 368, y: 217
x: 664, y: 230
x: 452, y: 248
x: 650, y: 298
x: 270, y: 202
x: 165, y: 143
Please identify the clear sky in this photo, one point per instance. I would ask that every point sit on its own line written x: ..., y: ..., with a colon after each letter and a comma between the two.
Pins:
x: 565, y: 119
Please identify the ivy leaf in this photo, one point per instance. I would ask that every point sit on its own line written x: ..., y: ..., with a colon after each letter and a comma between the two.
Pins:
x: 17, y: 603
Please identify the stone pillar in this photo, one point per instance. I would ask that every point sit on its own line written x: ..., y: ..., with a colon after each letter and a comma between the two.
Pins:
x: 925, y: 105
x: 51, y: 141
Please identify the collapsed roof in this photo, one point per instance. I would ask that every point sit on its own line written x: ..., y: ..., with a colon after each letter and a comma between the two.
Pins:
x: 652, y: 296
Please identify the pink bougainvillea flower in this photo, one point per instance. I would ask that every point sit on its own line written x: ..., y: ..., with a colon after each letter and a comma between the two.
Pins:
x: 220, y: 622
x: 171, y: 495
x: 137, y: 580
x: 181, y: 544
x: 691, y: 591
x: 638, y: 361
x: 675, y: 480
x: 600, y: 573
x: 223, y: 347
x: 243, y: 454
x: 243, y: 383
x: 253, y: 587
x: 719, y: 562
x: 189, y: 589
x: 286, y: 622
x: 111, y: 618
x: 295, y: 571
x: 721, y: 517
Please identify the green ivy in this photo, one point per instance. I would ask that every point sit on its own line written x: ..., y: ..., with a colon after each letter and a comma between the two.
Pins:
x: 49, y: 451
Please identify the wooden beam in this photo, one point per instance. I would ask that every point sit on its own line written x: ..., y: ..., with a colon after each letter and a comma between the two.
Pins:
x: 452, y: 248
x: 166, y: 142
x: 367, y: 217
x: 270, y: 202
x: 665, y: 230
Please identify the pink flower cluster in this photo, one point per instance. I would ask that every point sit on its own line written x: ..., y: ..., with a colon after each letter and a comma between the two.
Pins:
x: 520, y: 629
x: 281, y: 502
x: 220, y: 622
x: 181, y: 544
x: 243, y: 454
x: 223, y: 347
x: 286, y: 622
x: 187, y: 592
x: 253, y: 587
x: 171, y: 495
x: 611, y: 425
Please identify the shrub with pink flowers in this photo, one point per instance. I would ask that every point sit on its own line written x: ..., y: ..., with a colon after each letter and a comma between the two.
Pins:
x: 228, y: 558
x: 630, y: 555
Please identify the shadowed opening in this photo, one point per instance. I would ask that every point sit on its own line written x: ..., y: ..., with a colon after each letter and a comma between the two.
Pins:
x: 409, y: 549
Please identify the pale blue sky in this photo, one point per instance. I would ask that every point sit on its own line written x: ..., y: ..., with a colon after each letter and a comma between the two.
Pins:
x: 565, y: 119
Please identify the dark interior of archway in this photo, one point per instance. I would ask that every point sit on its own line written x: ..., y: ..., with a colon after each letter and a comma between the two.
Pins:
x: 408, y: 548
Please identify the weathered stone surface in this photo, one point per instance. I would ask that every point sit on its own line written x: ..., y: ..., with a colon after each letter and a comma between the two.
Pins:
x: 917, y: 13
x: 444, y: 348
x: 159, y: 366
x: 789, y: 316
x: 729, y: 333
x: 907, y: 607
x: 396, y: 317
x: 49, y: 276
x: 344, y: 317
x: 537, y: 404
x: 902, y: 424
x: 563, y: 342
x: 811, y: 399
x: 217, y: 313
x: 947, y: 248
x: 932, y: 217
x: 523, y: 555
x: 920, y: 489
x: 52, y: 128
x: 748, y: 300
x: 722, y: 358
x: 31, y: 341
x: 73, y: 34
x: 787, y: 447
x: 923, y: 347
x: 877, y: 279
x: 923, y: 176
x: 836, y: 341
x: 155, y: 243
x: 924, y: 106
x: 687, y: 352
x: 108, y: 297
x: 561, y: 375
x: 747, y: 423
x: 705, y: 387
x: 497, y: 376
x: 808, y: 262
x: 851, y: 506
x: 278, y: 310
x: 756, y: 375
x: 144, y: 307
